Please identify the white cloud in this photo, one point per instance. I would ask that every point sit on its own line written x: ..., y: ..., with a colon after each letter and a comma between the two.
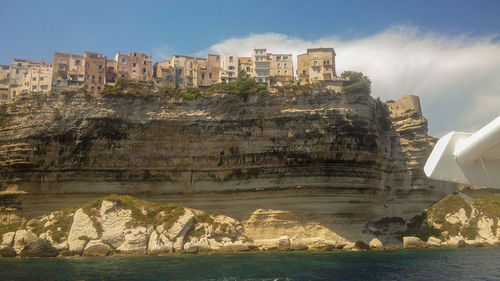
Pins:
x: 161, y: 53
x: 456, y: 77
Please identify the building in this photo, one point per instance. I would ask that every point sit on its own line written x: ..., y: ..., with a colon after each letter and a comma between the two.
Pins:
x: 208, y: 70
x: 134, y: 66
x: 68, y: 71
x: 95, y: 71
x: 182, y: 71
x: 261, y: 66
x: 38, y: 79
x: 245, y: 64
x: 4, y: 83
x: 317, y: 64
x: 229, y: 70
x: 110, y: 71
x: 281, y: 68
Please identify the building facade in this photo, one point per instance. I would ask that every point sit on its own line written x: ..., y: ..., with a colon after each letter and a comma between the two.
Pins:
x: 134, y: 66
x: 95, y: 71
x: 68, y: 71
x: 38, y: 79
x: 229, y: 70
x: 245, y: 64
x: 208, y: 70
x: 281, y: 68
x: 261, y: 66
x: 317, y: 64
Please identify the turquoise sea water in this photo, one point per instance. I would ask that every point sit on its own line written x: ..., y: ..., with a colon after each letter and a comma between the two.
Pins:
x: 439, y: 264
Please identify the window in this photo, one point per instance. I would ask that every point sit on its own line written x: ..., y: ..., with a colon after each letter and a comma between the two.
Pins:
x: 248, y: 68
x: 231, y: 67
x: 98, y: 88
x: 135, y: 54
x: 304, y: 72
x: 93, y: 78
x: 41, y: 78
x: 285, y: 58
x: 80, y: 75
x: 100, y: 67
x: 17, y: 71
x: 33, y: 88
x: 78, y: 62
x: 285, y: 65
x: 191, y: 64
x: 279, y: 64
x: 134, y: 64
x: 210, y: 75
x: 279, y: 71
x: 315, y: 63
x: 145, y: 63
x: 124, y: 61
x: 92, y: 88
x: 316, y: 78
x: 203, y: 76
x: 100, y: 79
x: 231, y: 59
x: 34, y: 78
x: 286, y: 71
x: 144, y: 70
x: 44, y: 87
x: 4, y: 96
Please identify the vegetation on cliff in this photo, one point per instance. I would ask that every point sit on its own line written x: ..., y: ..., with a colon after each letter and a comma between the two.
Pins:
x: 359, y: 82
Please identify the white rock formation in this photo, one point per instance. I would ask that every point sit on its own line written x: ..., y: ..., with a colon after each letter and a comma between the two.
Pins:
x: 113, y: 221
x: 22, y: 238
x: 136, y: 240
x: 81, y: 230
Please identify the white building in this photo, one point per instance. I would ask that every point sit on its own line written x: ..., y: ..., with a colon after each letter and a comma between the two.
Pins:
x: 229, y: 70
x: 261, y: 66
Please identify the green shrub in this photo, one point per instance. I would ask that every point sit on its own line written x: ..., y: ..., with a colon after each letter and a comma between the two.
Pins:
x: 358, y: 82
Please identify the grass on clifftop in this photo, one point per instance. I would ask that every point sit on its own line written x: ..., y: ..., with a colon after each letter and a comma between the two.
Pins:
x: 143, y: 212
x: 448, y: 205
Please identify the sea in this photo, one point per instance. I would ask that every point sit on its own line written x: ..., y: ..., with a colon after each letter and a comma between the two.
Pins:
x: 434, y: 264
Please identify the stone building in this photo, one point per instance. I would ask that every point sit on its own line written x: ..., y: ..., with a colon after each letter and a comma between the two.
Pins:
x: 261, y: 66
x: 68, y: 71
x: 110, y: 71
x: 183, y: 71
x: 38, y: 79
x: 208, y: 70
x: 229, y: 70
x: 4, y: 83
x: 134, y: 66
x: 281, y: 68
x: 318, y: 64
x: 245, y: 64
x: 95, y: 71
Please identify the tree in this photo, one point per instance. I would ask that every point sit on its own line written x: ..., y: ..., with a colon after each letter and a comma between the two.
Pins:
x: 358, y: 82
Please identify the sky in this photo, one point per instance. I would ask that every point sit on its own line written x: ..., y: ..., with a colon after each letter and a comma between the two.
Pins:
x: 446, y: 52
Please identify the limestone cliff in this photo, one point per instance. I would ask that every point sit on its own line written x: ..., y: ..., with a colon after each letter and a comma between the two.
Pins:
x: 335, y: 160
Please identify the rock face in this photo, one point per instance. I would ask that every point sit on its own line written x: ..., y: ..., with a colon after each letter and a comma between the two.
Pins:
x: 96, y: 248
x: 331, y: 159
x: 411, y: 242
x: 38, y: 248
x: 376, y: 244
x: 81, y: 231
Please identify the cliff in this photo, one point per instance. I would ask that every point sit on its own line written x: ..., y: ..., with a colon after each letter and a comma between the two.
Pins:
x: 341, y: 162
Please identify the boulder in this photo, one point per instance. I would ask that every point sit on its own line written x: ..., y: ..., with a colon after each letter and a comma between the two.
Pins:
x: 462, y: 244
x: 136, y: 240
x: 296, y: 243
x: 159, y: 243
x: 96, y: 248
x: 213, y: 244
x: 349, y: 246
x: 114, y: 223
x: 360, y: 246
x: 22, y: 238
x: 81, y: 231
x: 412, y: 242
x: 376, y: 244
x: 177, y: 232
x: 8, y: 239
x: 236, y: 246
x: 284, y: 243
x: 433, y: 241
x: 7, y: 252
x: 190, y: 248
x: 39, y: 248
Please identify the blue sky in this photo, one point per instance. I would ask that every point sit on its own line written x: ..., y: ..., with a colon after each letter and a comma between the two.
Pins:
x: 447, y: 52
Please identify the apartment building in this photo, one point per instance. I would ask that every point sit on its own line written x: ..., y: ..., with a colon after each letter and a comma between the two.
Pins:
x: 38, y: 78
x: 4, y: 83
x: 68, y: 71
x: 95, y: 71
x: 317, y: 64
x: 261, y: 66
x: 134, y: 66
x: 281, y: 68
x: 208, y: 70
x: 110, y: 71
x: 183, y: 71
x: 229, y: 70
x: 245, y: 64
